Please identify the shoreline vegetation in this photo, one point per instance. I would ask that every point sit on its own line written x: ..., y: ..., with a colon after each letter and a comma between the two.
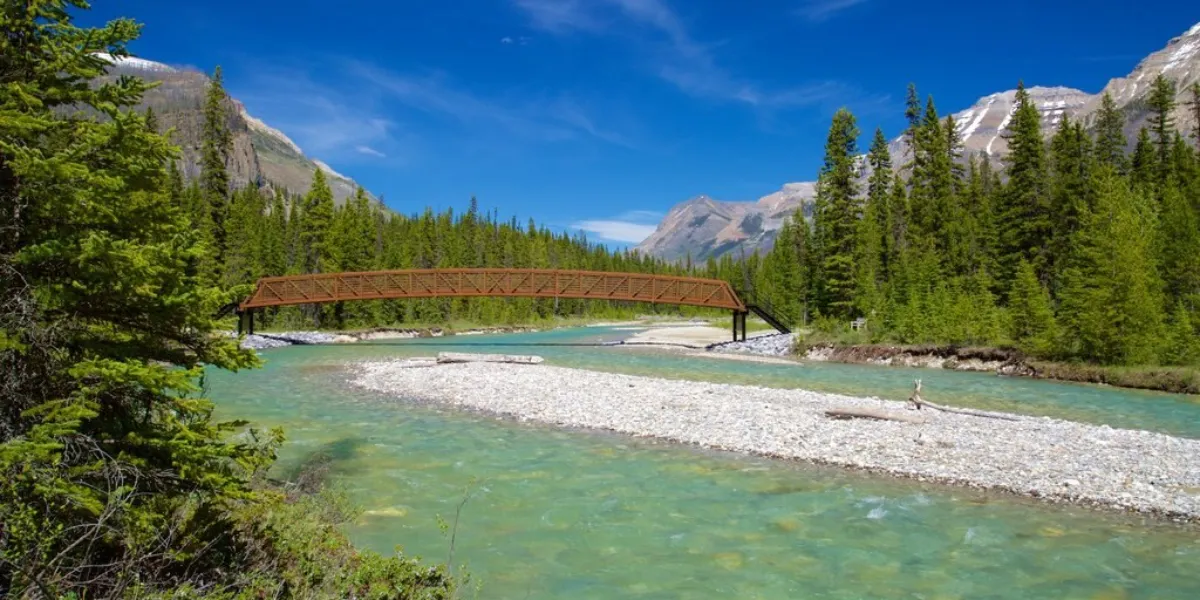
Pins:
x: 1008, y: 362
x: 671, y: 332
x: 1038, y: 457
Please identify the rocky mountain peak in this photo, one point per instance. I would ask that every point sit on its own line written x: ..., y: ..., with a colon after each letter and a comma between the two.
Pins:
x: 704, y: 227
x: 261, y: 155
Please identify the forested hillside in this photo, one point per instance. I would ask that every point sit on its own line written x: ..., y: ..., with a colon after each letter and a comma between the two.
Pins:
x: 253, y: 233
x: 1082, y: 251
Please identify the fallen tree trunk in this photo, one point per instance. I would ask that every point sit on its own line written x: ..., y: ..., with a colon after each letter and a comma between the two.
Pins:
x: 461, y: 357
x: 918, y: 402
x: 866, y: 413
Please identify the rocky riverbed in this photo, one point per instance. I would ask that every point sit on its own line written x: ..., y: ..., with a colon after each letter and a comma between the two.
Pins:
x: 1033, y: 456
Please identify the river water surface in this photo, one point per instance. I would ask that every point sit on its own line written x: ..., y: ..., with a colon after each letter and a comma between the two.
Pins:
x: 574, y: 514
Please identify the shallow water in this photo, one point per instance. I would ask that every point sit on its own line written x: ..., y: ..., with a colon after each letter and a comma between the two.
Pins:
x: 577, y: 514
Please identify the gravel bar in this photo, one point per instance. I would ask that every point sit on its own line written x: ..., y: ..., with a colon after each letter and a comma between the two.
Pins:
x: 1039, y: 457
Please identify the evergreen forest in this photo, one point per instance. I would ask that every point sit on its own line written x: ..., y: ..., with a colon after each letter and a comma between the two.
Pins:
x: 1072, y: 249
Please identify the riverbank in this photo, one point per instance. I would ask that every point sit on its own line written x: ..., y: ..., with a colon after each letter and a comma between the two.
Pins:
x: 1044, y: 458
x: 1002, y: 361
x: 268, y: 340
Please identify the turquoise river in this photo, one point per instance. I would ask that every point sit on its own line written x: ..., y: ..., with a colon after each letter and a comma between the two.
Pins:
x: 577, y: 514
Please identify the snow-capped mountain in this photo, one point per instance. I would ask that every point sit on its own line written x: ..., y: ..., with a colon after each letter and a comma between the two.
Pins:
x: 261, y: 154
x: 703, y: 227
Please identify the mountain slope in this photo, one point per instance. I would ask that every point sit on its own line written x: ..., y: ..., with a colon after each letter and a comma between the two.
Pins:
x: 261, y: 154
x: 702, y: 227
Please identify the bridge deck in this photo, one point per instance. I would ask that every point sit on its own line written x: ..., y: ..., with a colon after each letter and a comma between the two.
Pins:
x: 534, y: 283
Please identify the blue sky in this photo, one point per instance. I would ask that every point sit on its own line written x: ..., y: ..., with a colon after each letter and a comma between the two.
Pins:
x: 602, y: 114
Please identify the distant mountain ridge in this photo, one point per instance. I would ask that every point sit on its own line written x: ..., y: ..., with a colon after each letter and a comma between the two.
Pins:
x: 261, y: 155
x: 702, y: 227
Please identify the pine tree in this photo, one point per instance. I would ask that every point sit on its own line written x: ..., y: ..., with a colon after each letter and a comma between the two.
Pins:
x: 1025, y: 219
x: 871, y: 257
x: 215, y: 146
x: 1033, y: 324
x: 1071, y: 191
x: 1183, y: 339
x: 1112, y: 298
x: 1161, y: 102
x: 105, y: 441
x: 1110, y: 135
x: 1179, y: 237
x: 837, y: 215
x: 1144, y: 165
x: 912, y: 114
x: 315, y: 237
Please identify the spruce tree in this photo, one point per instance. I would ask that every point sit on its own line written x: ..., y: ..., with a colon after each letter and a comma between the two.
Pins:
x: 315, y: 231
x: 106, y: 444
x: 837, y: 215
x: 1144, y: 164
x: 871, y: 258
x: 1110, y: 135
x: 912, y: 114
x: 215, y: 146
x: 1161, y: 102
x: 1034, y: 327
x: 1070, y: 166
x: 1025, y: 220
x: 1112, y: 299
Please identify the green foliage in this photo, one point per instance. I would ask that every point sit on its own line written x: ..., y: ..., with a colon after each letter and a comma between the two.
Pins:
x: 1080, y: 255
x: 1034, y: 328
x: 1183, y: 339
x: 1112, y: 294
x: 216, y: 143
x: 1024, y: 213
x: 838, y: 210
x: 116, y: 480
x: 1110, y: 135
x: 1162, y: 124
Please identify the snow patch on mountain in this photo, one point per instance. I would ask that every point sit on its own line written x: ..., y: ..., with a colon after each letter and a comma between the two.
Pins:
x: 132, y: 62
x: 257, y: 124
x: 329, y: 170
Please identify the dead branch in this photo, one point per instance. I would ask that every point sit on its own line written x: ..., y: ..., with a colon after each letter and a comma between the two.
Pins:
x: 918, y: 402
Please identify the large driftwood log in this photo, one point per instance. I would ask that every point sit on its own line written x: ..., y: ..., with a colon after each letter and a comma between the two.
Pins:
x: 918, y: 403
x: 461, y: 357
x: 867, y: 413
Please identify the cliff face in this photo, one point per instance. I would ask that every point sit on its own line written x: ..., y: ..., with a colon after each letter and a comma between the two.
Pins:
x: 261, y: 155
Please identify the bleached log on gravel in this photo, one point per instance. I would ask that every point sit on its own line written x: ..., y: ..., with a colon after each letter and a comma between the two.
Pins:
x: 462, y: 357
x: 919, y: 402
x: 877, y: 415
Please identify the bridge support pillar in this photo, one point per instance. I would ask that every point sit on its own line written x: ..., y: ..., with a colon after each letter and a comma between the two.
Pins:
x: 739, y: 325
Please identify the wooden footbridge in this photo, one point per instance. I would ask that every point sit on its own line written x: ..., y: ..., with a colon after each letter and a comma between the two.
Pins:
x: 410, y: 284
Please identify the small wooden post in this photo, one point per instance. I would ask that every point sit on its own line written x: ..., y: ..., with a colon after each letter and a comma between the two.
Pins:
x: 250, y: 314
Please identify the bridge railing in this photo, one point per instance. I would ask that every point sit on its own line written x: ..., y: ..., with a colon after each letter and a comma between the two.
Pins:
x: 537, y: 283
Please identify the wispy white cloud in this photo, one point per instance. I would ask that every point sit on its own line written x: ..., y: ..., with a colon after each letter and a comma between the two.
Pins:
x: 560, y: 16
x: 823, y: 10
x: 320, y: 118
x: 554, y: 119
x: 630, y: 227
x: 506, y: 40
x: 369, y: 151
x: 676, y: 56
x: 616, y: 231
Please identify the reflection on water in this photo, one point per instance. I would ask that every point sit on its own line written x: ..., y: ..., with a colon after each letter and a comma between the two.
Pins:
x: 583, y: 515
